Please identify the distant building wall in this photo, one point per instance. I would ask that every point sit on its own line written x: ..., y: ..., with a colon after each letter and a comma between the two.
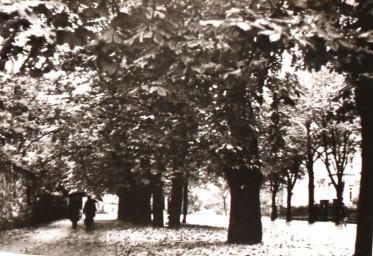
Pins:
x: 324, y: 189
x: 16, y: 196
x: 109, y: 204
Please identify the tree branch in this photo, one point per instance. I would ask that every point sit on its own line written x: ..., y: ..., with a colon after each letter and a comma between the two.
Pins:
x: 37, y: 139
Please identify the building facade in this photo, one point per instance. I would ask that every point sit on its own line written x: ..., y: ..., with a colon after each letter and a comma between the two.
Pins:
x: 324, y: 189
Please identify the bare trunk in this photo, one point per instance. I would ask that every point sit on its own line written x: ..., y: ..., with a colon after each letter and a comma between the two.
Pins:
x: 176, y: 201
x: 134, y: 206
x: 311, y: 195
x: 142, y: 210
x: 121, y: 207
x: 158, y: 206
x: 245, y: 224
x: 274, y: 206
x: 364, y: 96
x: 311, y: 178
x: 185, y: 201
x: 126, y: 205
x: 288, y: 206
x: 339, y: 212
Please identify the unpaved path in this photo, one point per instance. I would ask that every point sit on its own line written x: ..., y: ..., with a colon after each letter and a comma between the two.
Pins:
x: 112, y: 238
x: 58, y: 238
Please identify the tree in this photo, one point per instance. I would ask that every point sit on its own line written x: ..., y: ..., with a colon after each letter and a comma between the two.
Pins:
x: 309, y: 162
x: 332, y: 112
x: 339, y: 147
x: 339, y: 22
x: 275, y: 182
x: 306, y: 116
x: 292, y: 171
x: 318, y: 90
x: 145, y: 60
x: 153, y: 55
x: 160, y: 46
x: 28, y: 128
x: 277, y: 142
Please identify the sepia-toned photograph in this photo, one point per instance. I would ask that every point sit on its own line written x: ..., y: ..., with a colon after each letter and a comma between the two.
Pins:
x: 186, y: 127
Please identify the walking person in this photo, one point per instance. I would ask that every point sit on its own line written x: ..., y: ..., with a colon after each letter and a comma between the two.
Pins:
x: 74, y: 207
x: 90, y: 211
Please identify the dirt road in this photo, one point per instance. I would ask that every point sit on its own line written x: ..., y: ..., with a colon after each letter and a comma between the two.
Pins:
x: 58, y: 238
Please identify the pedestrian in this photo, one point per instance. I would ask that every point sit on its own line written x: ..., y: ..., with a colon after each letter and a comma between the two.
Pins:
x: 90, y: 211
x: 74, y: 205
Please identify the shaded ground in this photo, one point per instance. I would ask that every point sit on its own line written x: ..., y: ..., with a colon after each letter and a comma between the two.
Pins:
x: 115, y: 238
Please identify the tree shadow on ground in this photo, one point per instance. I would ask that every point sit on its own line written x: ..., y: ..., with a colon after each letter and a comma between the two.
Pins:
x: 114, y: 237
x: 107, y: 224
x: 203, y: 227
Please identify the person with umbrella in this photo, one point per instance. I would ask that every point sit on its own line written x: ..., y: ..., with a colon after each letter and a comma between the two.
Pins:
x: 74, y: 206
x: 90, y: 211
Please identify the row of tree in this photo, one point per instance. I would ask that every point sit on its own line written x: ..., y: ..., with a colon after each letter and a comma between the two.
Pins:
x: 150, y: 92
x: 320, y: 126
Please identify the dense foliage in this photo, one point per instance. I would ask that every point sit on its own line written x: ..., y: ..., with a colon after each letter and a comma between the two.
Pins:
x: 145, y: 90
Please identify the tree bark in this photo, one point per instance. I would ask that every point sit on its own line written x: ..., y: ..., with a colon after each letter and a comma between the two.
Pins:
x: 339, y: 211
x: 121, y: 207
x: 274, y: 206
x: 288, y: 206
x: 134, y: 206
x: 176, y: 201
x: 142, y: 214
x: 311, y: 194
x: 245, y: 224
x: 158, y: 206
x: 125, y: 205
x: 311, y: 176
x: 185, y: 201
x: 364, y: 96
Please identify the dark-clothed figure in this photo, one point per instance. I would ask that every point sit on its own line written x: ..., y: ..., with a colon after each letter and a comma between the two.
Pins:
x: 74, y: 206
x: 90, y: 211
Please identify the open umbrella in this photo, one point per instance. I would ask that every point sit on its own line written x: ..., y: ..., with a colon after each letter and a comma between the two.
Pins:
x: 76, y: 193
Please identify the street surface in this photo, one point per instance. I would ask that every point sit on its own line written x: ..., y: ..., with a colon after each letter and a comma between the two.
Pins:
x: 111, y: 237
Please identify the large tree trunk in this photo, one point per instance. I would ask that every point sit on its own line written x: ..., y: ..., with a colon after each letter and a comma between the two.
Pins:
x: 364, y: 96
x: 274, y: 206
x: 185, y: 201
x: 288, y: 206
x: 121, y: 207
x: 134, y: 206
x: 158, y: 206
x: 311, y: 194
x: 142, y: 214
x: 245, y: 224
x: 175, y: 204
x: 126, y: 205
